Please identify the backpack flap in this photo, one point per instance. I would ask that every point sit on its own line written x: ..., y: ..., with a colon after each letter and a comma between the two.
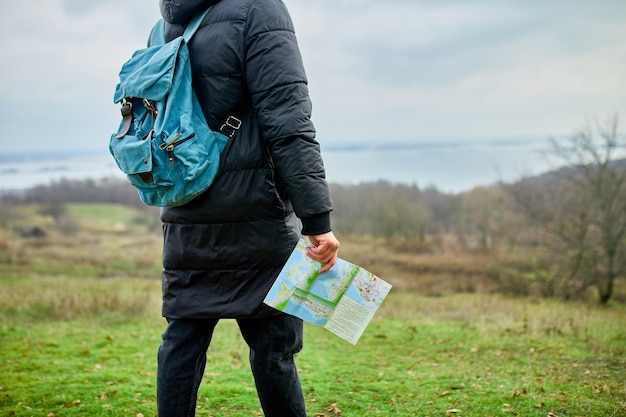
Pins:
x: 149, y: 73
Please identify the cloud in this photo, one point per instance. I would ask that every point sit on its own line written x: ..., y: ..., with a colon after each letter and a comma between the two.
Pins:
x: 399, y: 69
x: 422, y: 69
x: 64, y: 57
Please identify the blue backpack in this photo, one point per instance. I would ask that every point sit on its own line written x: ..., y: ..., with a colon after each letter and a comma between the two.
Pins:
x: 163, y: 144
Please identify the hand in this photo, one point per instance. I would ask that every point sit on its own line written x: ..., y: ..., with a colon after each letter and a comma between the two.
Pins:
x: 325, y: 249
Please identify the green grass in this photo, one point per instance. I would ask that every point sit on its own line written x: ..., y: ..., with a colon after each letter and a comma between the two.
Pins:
x: 111, y: 217
x: 80, y: 326
x: 481, y: 354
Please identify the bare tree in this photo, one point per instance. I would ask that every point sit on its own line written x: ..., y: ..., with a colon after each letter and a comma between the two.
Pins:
x: 486, y: 214
x: 581, y: 209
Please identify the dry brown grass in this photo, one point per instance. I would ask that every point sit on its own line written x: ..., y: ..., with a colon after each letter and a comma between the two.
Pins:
x: 65, y: 298
x: 121, y: 245
x: 415, y: 266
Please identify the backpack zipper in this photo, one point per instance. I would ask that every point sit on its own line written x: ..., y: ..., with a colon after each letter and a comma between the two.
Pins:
x: 170, y: 145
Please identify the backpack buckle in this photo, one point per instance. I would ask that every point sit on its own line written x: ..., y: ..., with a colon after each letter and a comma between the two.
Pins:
x: 127, y: 119
x: 230, y: 126
x: 149, y: 105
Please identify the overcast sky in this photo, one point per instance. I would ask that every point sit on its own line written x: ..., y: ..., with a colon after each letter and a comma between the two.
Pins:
x: 393, y: 70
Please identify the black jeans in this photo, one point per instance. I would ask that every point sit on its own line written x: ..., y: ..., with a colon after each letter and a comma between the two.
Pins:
x: 273, y: 342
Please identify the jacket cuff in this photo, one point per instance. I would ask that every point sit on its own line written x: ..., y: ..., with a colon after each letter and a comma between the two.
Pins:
x: 316, y: 224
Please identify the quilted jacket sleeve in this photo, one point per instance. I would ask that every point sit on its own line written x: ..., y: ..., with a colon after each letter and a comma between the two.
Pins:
x: 278, y: 86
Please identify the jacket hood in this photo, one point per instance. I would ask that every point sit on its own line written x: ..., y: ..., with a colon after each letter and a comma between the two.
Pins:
x: 180, y: 12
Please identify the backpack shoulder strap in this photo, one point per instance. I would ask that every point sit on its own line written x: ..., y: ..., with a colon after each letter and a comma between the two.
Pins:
x: 157, y: 36
x: 194, y: 24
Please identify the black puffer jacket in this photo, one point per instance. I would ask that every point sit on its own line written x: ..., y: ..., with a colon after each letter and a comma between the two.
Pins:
x: 223, y: 250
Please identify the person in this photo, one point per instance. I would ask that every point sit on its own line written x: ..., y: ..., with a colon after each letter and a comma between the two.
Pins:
x: 224, y: 249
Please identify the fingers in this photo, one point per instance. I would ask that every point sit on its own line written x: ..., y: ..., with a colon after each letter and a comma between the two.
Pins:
x: 327, y: 266
x: 323, y: 255
x: 325, y: 250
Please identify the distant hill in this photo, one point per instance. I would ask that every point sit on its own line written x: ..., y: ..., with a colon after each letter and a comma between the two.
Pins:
x: 554, y: 174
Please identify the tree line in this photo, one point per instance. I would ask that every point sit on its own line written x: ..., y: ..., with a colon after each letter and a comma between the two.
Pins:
x: 563, y: 232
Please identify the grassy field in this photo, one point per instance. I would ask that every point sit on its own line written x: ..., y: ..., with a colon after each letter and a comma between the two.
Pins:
x: 80, y: 325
